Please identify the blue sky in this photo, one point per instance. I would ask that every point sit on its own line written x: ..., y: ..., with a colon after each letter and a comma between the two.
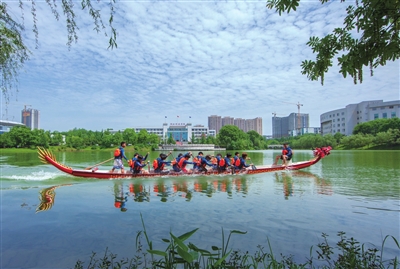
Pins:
x: 186, y: 58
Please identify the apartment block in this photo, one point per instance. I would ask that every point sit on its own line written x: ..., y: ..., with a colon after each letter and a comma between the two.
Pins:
x: 343, y: 120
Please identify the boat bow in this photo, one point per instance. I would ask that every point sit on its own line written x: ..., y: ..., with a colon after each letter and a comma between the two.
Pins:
x: 46, y: 156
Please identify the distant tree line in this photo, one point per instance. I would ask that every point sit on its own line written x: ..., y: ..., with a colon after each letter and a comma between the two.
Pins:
x: 376, y: 133
x: 23, y: 137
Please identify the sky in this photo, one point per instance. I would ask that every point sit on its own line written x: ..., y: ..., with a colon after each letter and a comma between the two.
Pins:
x: 184, y: 60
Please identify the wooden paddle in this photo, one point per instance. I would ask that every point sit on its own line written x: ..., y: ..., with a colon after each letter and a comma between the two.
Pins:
x: 90, y: 167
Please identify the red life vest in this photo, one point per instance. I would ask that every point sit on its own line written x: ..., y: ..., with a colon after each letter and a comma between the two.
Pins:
x: 196, y: 161
x: 284, y: 151
x: 237, y: 162
x: 182, y: 163
x: 221, y: 162
x: 137, y: 168
x: 155, y: 164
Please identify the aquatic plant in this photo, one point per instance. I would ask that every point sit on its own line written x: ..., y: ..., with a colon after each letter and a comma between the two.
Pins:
x: 347, y: 253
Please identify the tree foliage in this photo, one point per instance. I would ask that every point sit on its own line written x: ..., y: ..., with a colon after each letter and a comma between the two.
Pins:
x: 357, y: 141
x: 23, y: 137
x: 377, y: 126
x: 310, y: 141
x: 231, y: 137
x: 14, y: 52
x: 171, y: 140
x: 369, y: 37
x: 257, y: 140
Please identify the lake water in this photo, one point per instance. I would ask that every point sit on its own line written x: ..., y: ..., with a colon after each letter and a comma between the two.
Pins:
x: 352, y: 191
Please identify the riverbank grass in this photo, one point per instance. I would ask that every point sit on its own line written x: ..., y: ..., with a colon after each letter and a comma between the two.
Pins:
x: 346, y: 253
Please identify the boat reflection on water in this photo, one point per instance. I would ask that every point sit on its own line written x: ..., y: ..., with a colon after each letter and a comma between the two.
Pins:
x: 47, y: 197
x: 286, y: 179
x: 170, y: 190
x: 227, y: 185
x: 139, y: 193
x: 120, y: 197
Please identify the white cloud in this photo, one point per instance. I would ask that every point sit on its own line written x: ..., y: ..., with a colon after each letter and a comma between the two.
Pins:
x: 195, y: 59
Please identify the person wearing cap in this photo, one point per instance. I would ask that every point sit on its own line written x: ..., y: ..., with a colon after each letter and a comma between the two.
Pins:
x: 197, y: 161
x: 286, y: 155
x: 242, y: 162
x: 220, y: 164
x: 204, y: 161
x: 134, y: 159
x: 236, y: 159
x: 138, y: 166
x: 175, y: 163
x: 227, y: 161
x: 181, y: 167
x: 161, y: 162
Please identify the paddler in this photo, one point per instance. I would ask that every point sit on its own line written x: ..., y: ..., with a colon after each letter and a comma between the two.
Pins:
x: 286, y: 155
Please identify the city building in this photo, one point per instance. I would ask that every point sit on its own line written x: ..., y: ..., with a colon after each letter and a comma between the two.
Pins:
x: 228, y: 121
x: 180, y: 132
x: 254, y: 125
x: 216, y: 122
x: 292, y: 125
x: 240, y: 123
x: 344, y: 120
x: 30, y: 118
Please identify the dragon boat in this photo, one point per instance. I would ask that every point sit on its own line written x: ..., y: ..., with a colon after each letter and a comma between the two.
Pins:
x: 46, y: 156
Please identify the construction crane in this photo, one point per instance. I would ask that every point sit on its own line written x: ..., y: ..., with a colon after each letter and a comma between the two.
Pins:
x: 25, y: 114
x: 298, y: 115
x: 274, y: 113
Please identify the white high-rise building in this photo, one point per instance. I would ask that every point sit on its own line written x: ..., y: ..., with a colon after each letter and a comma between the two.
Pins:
x: 344, y: 120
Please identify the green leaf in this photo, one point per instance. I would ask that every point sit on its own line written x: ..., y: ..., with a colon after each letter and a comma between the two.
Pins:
x: 222, y: 258
x: 215, y: 248
x: 179, y: 242
x: 185, y: 236
x: 157, y: 252
x: 194, y: 254
x: 185, y: 255
x: 195, y: 248
x: 210, y: 255
x: 238, y: 232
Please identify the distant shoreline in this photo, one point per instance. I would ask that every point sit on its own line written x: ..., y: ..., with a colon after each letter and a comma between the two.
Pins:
x: 145, y: 149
